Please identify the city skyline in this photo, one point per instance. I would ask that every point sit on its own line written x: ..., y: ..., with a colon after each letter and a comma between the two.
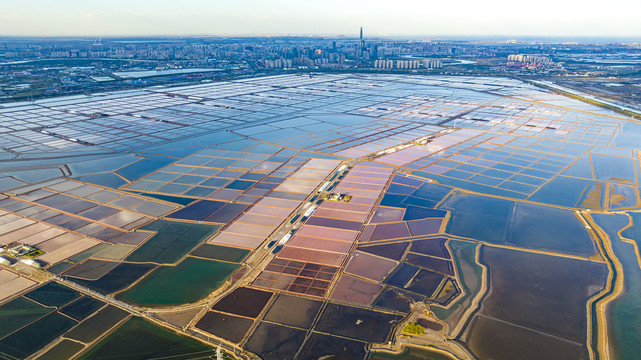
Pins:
x: 287, y: 17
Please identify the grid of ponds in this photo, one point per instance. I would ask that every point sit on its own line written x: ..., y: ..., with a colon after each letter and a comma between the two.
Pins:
x: 161, y: 197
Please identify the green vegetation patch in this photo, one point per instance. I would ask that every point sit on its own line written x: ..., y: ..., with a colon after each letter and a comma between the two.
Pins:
x: 33, y: 253
x: 138, y: 339
x: 18, y: 313
x: 413, y: 328
x: 172, y: 241
x: 191, y: 280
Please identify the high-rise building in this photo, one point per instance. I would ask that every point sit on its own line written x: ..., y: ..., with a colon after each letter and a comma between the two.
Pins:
x: 362, y: 43
x: 374, y: 53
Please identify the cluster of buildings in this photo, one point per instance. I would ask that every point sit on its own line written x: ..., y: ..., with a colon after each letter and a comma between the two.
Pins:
x: 516, y: 59
x: 33, y: 68
x: 408, y: 64
x: 331, y: 59
x: 19, y: 252
x: 256, y: 52
x: 278, y: 63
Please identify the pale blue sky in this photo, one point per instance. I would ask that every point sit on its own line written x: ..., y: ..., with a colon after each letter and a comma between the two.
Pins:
x: 329, y: 17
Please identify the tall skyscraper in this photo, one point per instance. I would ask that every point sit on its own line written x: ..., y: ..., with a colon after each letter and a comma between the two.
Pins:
x: 362, y: 43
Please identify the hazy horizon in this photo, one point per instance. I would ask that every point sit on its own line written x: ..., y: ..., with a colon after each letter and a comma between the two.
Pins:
x: 462, y: 38
x: 404, y: 18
